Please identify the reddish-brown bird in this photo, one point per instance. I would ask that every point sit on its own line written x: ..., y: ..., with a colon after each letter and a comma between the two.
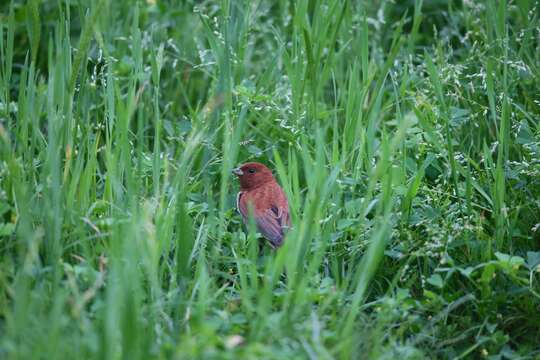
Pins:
x: 261, y: 192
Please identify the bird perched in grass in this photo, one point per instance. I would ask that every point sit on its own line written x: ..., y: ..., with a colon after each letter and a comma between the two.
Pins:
x: 261, y: 194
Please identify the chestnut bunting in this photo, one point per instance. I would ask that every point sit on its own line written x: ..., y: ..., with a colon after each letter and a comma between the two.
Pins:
x: 261, y: 194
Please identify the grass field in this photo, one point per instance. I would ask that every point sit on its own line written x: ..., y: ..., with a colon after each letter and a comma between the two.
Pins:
x: 406, y: 135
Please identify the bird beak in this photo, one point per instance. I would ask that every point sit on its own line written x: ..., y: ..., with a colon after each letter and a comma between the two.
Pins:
x: 237, y: 171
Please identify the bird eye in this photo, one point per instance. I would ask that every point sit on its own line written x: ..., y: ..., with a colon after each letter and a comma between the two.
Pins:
x: 251, y: 171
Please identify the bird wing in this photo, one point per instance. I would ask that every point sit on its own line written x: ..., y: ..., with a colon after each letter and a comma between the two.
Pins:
x: 271, y: 222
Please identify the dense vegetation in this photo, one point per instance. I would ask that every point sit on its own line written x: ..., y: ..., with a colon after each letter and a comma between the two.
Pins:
x: 406, y: 135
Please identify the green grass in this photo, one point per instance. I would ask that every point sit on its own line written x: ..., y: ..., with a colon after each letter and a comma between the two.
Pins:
x: 406, y: 135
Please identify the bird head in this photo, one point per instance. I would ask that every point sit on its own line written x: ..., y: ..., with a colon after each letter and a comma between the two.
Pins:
x: 252, y: 175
